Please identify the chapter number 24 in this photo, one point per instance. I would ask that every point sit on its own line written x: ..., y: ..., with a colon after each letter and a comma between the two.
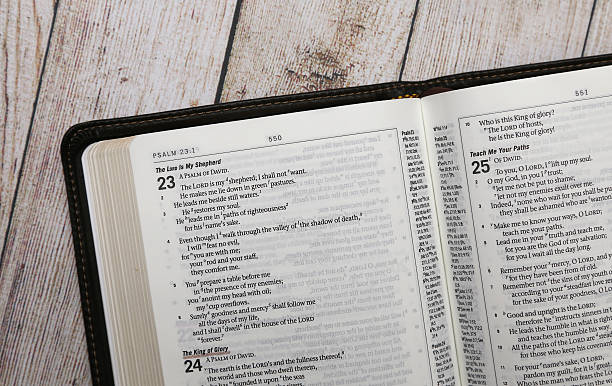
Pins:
x: 192, y: 365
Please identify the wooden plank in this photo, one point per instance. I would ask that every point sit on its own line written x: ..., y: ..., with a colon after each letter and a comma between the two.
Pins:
x: 105, y: 59
x: 24, y: 32
x: 452, y: 37
x: 599, y: 40
x: 297, y: 46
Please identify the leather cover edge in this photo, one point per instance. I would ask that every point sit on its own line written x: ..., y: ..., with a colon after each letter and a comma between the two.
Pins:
x: 79, y: 136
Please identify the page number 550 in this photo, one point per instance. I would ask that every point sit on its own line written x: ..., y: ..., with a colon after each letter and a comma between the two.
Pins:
x: 275, y: 138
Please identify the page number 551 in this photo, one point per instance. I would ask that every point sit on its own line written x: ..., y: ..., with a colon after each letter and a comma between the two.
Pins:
x: 582, y: 92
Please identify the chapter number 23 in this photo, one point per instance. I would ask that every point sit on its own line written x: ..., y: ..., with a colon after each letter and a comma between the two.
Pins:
x: 165, y: 183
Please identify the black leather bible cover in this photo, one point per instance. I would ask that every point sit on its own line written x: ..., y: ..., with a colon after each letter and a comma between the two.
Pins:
x: 78, y: 137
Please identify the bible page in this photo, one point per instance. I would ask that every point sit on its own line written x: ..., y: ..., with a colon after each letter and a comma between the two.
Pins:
x: 523, y: 182
x: 296, y: 249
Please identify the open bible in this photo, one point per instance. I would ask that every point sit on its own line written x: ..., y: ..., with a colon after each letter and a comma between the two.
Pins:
x: 460, y: 238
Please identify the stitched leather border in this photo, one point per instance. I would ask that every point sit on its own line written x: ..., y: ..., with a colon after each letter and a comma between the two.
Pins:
x: 78, y: 137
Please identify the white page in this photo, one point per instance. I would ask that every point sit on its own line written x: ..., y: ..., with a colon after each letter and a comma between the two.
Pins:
x: 312, y: 276
x: 525, y: 179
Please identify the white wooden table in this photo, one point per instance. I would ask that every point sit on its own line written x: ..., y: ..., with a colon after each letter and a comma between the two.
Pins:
x: 66, y: 61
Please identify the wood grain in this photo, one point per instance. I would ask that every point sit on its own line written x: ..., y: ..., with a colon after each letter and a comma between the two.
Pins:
x: 599, y: 40
x: 451, y: 37
x: 112, y: 58
x: 106, y: 59
x: 24, y: 32
x: 294, y: 46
